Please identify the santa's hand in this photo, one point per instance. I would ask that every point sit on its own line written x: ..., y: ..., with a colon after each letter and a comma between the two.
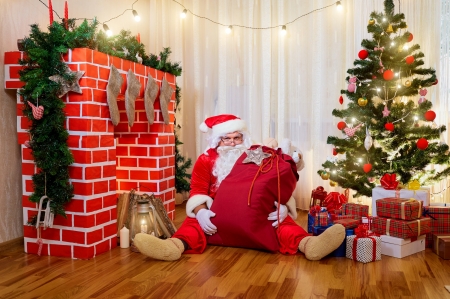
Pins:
x: 203, y: 216
x: 274, y: 215
x: 295, y: 157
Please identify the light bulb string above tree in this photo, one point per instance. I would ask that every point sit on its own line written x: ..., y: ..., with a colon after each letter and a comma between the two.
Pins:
x: 404, y: 140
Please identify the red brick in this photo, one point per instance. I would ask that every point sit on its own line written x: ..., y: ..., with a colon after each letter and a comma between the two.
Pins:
x: 28, y: 168
x: 85, y: 221
x: 104, y: 112
x: 122, y: 150
x: 82, y: 55
x: 122, y: 174
x: 169, y: 150
x: 29, y: 186
x: 171, y: 161
x: 163, y: 162
x: 138, y: 175
x: 33, y: 247
x: 86, y: 96
x: 139, y: 69
x: 51, y: 234
x: 171, y: 183
x: 63, y: 221
x: 110, y: 200
x: 126, y: 65
x: 99, y: 156
x: 22, y: 137
x: 112, y: 185
x: 156, y: 151
x: 139, y: 104
x: 138, y: 151
x: 170, y: 78
x: 152, y: 72
x: 141, y: 116
x: 106, y: 141
x: 89, y: 70
x: 83, y: 253
x: 126, y: 140
x: 102, y: 84
x: 94, y: 236
x: 131, y: 162
x: 73, y: 141
x: 155, y: 175
x: 110, y: 128
x: 90, y: 141
x: 60, y: 250
x: 94, y: 204
x: 26, y: 203
x: 111, y: 155
x: 75, y: 205
x: 25, y: 123
x: 147, y: 162
x: 14, y: 84
x: 104, y: 73
x: 91, y: 110
x: 99, y: 125
x: 100, y: 96
x: 80, y: 124
x: 74, y: 236
x: 168, y: 172
x: 88, y: 82
x: 159, y: 75
x: 162, y: 185
x: 94, y: 172
x: 29, y: 231
x: 82, y: 157
x: 109, y: 171
x: 110, y: 230
x: 102, y: 217
x: 163, y: 140
x: 101, y: 187
x: 100, y: 58
x: 82, y: 188
x: 76, y: 172
x: 153, y: 187
x: 19, y: 108
x: 128, y: 186
x: 172, y: 139
x: 122, y: 127
x: 140, y: 127
x: 102, y: 247
x: 123, y: 88
x: 12, y: 57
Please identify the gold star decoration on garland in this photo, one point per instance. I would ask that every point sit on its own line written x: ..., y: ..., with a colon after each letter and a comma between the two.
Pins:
x: 67, y: 86
x: 256, y: 156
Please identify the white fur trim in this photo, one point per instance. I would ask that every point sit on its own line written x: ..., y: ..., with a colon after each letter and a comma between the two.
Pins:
x: 195, y: 201
x: 292, y: 208
x: 229, y: 126
x: 203, y: 127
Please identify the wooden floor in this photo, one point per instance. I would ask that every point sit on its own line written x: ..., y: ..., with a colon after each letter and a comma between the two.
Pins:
x: 221, y: 272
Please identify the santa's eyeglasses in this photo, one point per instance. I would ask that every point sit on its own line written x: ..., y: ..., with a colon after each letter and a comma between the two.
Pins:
x: 229, y: 140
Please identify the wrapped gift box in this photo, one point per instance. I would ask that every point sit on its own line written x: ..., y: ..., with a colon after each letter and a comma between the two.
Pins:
x: 399, y: 208
x: 338, y: 216
x: 322, y: 219
x: 341, y: 250
x: 439, y: 222
x: 400, y: 248
x: 403, y: 229
x: 364, y: 250
x: 436, y: 237
x: 423, y: 194
x: 357, y: 211
x: 444, y: 248
x: 347, y: 223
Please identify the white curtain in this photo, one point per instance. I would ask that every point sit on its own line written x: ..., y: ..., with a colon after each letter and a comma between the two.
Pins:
x: 283, y: 86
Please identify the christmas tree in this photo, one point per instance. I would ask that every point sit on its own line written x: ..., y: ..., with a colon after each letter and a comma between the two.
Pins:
x: 388, y: 124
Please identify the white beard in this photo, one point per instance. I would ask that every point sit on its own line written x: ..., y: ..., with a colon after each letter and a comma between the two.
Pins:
x: 228, y: 155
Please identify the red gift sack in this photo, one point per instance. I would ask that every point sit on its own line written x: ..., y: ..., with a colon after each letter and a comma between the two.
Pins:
x: 246, y: 197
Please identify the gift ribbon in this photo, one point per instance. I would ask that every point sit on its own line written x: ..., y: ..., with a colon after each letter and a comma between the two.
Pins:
x: 403, y: 208
x: 388, y: 181
x: 388, y: 225
x: 426, y: 212
x: 374, y: 247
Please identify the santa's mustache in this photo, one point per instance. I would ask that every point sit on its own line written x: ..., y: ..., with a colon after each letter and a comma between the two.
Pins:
x: 228, y: 148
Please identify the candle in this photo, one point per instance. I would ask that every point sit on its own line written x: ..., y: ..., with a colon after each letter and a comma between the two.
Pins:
x: 66, y: 16
x: 144, y: 228
x: 50, y: 11
x: 124, y: 238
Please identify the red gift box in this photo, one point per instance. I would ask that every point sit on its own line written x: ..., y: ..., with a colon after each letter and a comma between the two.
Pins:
x: 337, y: 215
x: 439, y: 222
x: 334, y: 201
x: 401, y: 228
x: 347, y: 223
x: 322, y: 219
x: 317, y: 194
x: 404, y: 209
x: 357, y: 211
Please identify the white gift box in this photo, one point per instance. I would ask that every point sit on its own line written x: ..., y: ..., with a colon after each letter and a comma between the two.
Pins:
x: 379, y: 192
x: 365, y: 251
x: 400, y: 248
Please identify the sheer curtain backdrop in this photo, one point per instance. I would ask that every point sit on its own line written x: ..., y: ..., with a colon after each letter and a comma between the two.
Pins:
x: 283, y: 86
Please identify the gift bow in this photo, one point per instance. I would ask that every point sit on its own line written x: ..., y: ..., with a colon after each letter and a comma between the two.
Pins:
x: 315, y: 210
x: 334, y: 201
x: 414, y: 185
x: 379, y: 48
x: 388, y: 181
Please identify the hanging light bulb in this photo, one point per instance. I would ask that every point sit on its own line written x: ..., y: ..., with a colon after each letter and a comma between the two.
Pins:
x: 405, y: 47
x: 399, y: 86
x: 107, y: 30
x: 353, y: 120
x: 338, y: 5
x: 392, y: 44
x: 283, y: 30
x: 384, y: 19
x: 396, y: 74
x: 137, y: 18
x: 229, y: 29
x: 378, y: 89
x: 183, y: 13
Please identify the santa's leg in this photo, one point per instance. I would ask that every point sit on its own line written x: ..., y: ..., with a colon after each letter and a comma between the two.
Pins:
x: 164, y: 250
x: 317, y: 247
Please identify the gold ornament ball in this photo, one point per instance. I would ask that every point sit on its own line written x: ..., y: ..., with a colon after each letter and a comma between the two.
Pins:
x: 371, y: 21
x: 325, y: 175
x: 333, y: 183
x: 362, y: 102
x: 407, y: 83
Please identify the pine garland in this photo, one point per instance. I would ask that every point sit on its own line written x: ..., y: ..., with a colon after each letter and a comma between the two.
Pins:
x: 48, y: 142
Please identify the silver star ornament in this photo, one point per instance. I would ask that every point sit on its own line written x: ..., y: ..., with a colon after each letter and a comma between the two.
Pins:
x: 255, y: 156
x: 67, y: 86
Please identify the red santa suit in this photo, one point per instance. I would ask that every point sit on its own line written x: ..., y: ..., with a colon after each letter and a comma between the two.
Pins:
x: 203, y: 190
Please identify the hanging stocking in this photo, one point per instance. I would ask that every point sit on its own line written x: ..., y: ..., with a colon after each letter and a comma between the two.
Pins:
x: 47, y: 222
x: 133, y: 88
x: 38, y: 111
x: 164, y: 100
x: 151, y: 91
x: 112, y: 91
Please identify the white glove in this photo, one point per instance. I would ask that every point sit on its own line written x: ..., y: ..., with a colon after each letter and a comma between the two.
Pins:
x: 203, y: 219
x: 295, y: 157
x: 274, y: 215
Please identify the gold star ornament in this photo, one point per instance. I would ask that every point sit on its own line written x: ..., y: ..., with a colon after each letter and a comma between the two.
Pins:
x: 67, y: 86
x: 255, y: 156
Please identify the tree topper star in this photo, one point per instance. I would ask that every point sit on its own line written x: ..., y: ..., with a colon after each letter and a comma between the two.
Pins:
x: 67, y: 86
x: 386, y: 111
x: 256, y: 156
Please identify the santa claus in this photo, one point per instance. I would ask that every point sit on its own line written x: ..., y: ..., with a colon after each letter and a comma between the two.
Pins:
x: 228, y: 142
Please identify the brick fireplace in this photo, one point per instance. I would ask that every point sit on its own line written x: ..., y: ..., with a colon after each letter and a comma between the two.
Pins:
x: 108, y: 159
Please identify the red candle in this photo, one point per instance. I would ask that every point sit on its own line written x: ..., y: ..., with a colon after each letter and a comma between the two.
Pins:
x: 66, y: 15
x: 138, y: 37
x: 50, y: 11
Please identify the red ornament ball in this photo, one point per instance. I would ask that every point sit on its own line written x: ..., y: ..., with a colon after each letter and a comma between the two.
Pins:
x: 422, y: 144
x: 430, y: 115
x: 409, y: 59
x: 367, y: 167
x: 374, y: 77
x: 363, y: 54
x: 435, y: 82
x: 410, y: 37
x: 341, y: 125
x: 341, y: 100
x: 335, y: 152
x: 389, y: 126
x: 388, y: 75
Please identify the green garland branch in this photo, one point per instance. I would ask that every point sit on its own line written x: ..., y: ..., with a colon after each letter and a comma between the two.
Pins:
x: 48, y: 136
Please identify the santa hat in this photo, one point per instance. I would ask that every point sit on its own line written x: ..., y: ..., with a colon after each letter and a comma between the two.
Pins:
x: 223, y: 124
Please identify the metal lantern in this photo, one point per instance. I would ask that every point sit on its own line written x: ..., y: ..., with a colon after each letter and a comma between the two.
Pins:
x: 143, y: 220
